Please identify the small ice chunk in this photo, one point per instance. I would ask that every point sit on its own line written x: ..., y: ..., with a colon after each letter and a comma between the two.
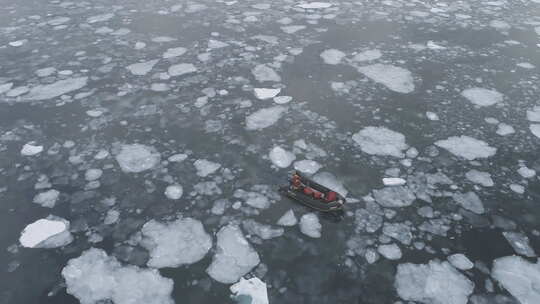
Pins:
x: 176, y: 158
x: 5, y: 87
x: 520, y: 277
x: 142, y: 68
x: 205, y: 167
x: 526, y: 172
x: 44, y: 72
x: 526, y: 65
x: 368, y: 55
x: 315, y: 5
x: 61, y: 87
x: 520, y: 243
x: 504, y: 129
x: 264, y: 73
x: 264, y: 93
x: 111, y: 217
x: 480, y: 178
x: 99, y: 18
x: 390, y: 251
x: 436, y: 282
x: 499, y: 25
x: 460, y: 261
x: 307, y: 166
x: 332, y: 56
x: 469, y: 201
x: 282, y: 99
x: 172, y: 244
x: 181, y: 69
x: 29, y: 149
x: 398, y: 231
x: 253, y: 199
x: 432, y: 116
x: 264, y: 118
x: 280, y: 157
x: 393, y: 181
x: 46, y: 233
x: 263, y: 231
x: 467, y: 147
x: 254, y: 289
x: 288, y: 219
x: 394, y: 78
x: 216, y: 44
x: 234, y: 256
x: 291, y: 29
x: 310, y: 225
x: 482, y: 97
x: 394, y: 197
x: 174, y: 192
x: 380, y: 141
x: 94, y: 277
x: 18, y: 42
x: 47, y: 199
x: 136, y: 158
x: 174, y: 52
x: 519, y: 189
x: 93, y: 174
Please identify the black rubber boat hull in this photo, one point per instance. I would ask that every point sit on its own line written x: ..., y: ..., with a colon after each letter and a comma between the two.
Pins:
x: 309, y: 201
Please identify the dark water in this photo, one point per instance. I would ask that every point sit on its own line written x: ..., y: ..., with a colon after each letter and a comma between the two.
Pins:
x: 434, y: 50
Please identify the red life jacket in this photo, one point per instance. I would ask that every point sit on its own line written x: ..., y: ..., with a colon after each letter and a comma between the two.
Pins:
x: 331, y: 196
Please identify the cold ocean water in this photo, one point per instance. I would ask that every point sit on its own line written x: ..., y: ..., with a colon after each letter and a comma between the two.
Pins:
x: 142, y: 144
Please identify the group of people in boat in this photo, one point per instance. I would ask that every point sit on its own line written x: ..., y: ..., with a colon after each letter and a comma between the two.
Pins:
x: 298, y: 185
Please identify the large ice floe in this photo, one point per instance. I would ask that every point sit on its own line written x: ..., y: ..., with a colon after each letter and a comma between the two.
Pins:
x: 234, y: 256
x: 94, y: 277
x: 50, y: 232
x: 177, y: 243
x: 47, y: 198
x: 280, y: 157
x: 205, y: 167
x: 264, y: 118
x: 61, y: 87
x: 470, y: 201
x: 380, y: 141
x: 467, y: 147
x: 435, y: 282
x: 520, y: 277
x: 310, y: 225
x: 332, y: 56
x: 142, y: 68
x: 394, y: 78
x: 251, y: 291
x: 263, y: 73
x: 394, y: 197
x: 482, y: 97
x: 137, y: 158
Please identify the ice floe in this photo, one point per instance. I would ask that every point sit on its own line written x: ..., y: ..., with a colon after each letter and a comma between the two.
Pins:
x: 100, y: 18
x: 253, y: 199
x: 505, y: 129
x: 398, y: 231
x: 234, y: 256
x: 480, y: 178
x: 394, y: 197
x: 280, y: 157
x: 535, y: 129
x: 482, y: 97
x: 142, y: 68
x: 307, y: 166
x: 177, y: 243
x: 61, y: 87
x: 174, y: 52
x: 264, y: 93
x: 264, y: 73
x: 470, y: 201
x: 435, y: 282
x: 205, y: 167
x: 368, y: 55
x: 380, y: 141
x: 520, y: 277
x: 47, y: 198
x: 390, y: 251
x: 30, y: 149
x: 94, y: 277
x: 263, y: 231
x: 288, y: 219
x: 394, y: 78
x: 467, y: 147
x: 51, y: 232
x: 460, y: 261
x: 282, y: 99
x: 135, y: 158
x: 310, y: 225
x: 393, y: 181
x: 93, y: 174
x: 534, y: 114
x: 315, y: 5
x: 174, y: 192
x: 520, y: 243
x: 181, y: 69
x: 264, y: 118
x: 254, y: 290
x: 332, y: 56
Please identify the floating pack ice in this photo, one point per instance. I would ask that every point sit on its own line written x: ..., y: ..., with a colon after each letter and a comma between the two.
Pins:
x: 137, y: 158
x: 253, y: 289
x: 51, y: 232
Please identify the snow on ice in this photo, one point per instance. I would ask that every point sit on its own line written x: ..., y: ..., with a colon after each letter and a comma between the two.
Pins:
x: 520, y: 243
x: 520, y: 277
x: 460, y: 261
x: 205, y: 167
x: 280, y: 157
x: 310, y: 225
x: 265, y: 93
x: 264, y: 118
x: 469, y: 201
x: 264, y: 73
x: 177, y: 243
x: 47, y: 198
x: 288, y: 219
x: 94, y: 277
x: 332, y: 56
x: 390, y: 251
x: 380, y: 141
x: 234, y: 256
x: 181, y: 69
x: 394, y: 78
x: 307, y: 166
x: 61, y: 87
x: 394, y: 197
x: 263, y: 231
x: 480, y: 178
x: 29, y: 149
x: 482, y: 97
x: 137, y: 158
x: 51, y: 232
x: 174, y: 192
x: 142, y: 68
